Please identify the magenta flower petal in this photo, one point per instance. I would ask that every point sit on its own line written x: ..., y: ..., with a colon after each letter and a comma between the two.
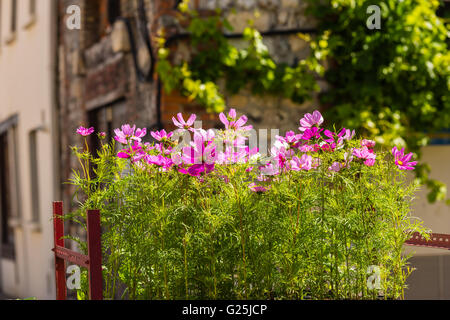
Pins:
x: 224, y: 120
x: 196, y: 170
x: 242, y: 120
x: 176, y: 123
x: 123, y: 154
x: 85, y: 132
x: 191, y: 120
x: 403, y: 161
x: 184, y: 125
x: 258, y: 189
x: 311, y: 120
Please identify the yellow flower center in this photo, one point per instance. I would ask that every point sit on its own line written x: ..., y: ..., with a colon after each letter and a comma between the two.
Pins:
x: 400, y: 163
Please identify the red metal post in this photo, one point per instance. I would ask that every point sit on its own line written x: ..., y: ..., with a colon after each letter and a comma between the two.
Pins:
x: 95, y: 255
x: 93, y: 261
x: 60, y: 264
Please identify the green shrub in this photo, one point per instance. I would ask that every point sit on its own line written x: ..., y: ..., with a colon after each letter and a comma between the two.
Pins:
x: 320, y: 219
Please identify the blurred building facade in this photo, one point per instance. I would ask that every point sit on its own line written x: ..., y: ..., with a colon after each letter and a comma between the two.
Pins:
x: 54, y: 79
x: 29, y: 179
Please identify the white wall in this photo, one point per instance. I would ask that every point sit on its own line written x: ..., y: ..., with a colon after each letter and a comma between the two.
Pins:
x: 26, y: 89
x: 431, y: 280
x: 435, y: 216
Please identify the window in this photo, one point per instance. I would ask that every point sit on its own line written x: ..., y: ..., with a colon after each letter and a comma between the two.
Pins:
x: 31, y: 17
x: 100, y: 15
x: 1, y: 12
x: 8, y: 188
x: 106, y: 118
x: 13, y: 25
x: 114, y: 11
x: 109, y: 11
x: 32, y: 8
x: 34, y: 165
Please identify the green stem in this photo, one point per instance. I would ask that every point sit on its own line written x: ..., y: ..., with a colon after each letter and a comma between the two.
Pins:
x: 241, y: 224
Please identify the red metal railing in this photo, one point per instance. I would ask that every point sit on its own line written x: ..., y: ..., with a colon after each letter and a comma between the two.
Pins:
x: 437, y: 240
x: 93, y: 261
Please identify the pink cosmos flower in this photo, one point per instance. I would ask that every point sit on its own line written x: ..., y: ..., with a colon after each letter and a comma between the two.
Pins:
x: 281, y: 153
x: 139, y: 134
x: 337, y: 140
x: 227, y: 156
x: 347, y: 134
x: 177, y: 159
x: 309, y: 148
x: 199, y: 151
x: 311, y: 120
x: 312, y: 133
x: 130, y: 152
x: 328, y: 147
x: 184, y: 125
x: 160, y: 161
x: 270, y: 169
x: 207, y: 135
x: 365, y: 154
x: 258, y: 189
x: 198, y: 169
x: 201, y: 154
x: 85, y: 132
x: 231, y: 123
x: 161, y: 135
x: 403, y: 161
x: 163, y: 149
x: 370, y: 162
x: 368, y: 143
x: 291, y: 139
x: 129, y: 133
x: 235, y: 155
x: 303, y: 163
x: 336, y: 166
x: 123, y: 154
x: 330, y: 136
x: 123, y: 136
